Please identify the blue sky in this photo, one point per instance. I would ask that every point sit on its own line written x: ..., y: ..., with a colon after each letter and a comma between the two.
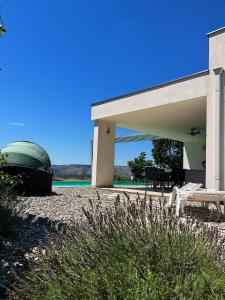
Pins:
x: 58, y: 57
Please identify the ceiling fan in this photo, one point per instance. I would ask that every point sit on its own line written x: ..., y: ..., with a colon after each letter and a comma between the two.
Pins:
x: 194, y: 131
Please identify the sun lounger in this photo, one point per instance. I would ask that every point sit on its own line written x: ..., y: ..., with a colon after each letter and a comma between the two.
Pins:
x: 193, y: 192
x: 207, y: 196
x: 183, y: 191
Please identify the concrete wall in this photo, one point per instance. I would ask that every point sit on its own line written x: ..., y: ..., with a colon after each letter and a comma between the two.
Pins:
x: 215, y: 112
x: 193, y: 155
x: 103, y: 154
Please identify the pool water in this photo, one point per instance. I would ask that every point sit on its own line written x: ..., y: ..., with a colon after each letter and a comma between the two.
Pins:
x: 88, y: 183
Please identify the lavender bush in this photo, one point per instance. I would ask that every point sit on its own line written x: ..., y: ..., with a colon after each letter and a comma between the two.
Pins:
x: 132, y: 251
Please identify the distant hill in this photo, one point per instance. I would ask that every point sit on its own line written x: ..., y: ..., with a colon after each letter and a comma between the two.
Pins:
x: 84, y: 171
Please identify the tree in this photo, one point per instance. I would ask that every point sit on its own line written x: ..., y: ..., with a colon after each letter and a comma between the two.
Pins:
x: 137, y: 165
x: 167, y: 153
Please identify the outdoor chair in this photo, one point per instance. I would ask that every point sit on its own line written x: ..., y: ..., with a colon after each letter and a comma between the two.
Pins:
x: 193, y: 192
x: 177, y: 177
x: 151, y: 176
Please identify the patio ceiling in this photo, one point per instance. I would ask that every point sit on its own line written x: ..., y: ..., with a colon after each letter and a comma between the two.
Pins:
x: 169, y: 121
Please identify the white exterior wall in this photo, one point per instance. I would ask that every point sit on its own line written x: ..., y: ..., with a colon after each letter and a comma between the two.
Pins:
x: 192, y: 88
x: 194, y: 155
x: 103, y: 154
x: 215, y: 112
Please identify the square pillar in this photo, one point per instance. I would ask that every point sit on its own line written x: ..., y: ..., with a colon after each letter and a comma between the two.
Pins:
x: 215, y: 177
x: 103, y: 154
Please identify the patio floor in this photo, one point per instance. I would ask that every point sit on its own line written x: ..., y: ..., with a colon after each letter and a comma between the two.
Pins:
x: 138, y: 189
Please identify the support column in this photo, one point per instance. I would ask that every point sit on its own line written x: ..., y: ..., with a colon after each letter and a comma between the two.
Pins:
x: 215, y: 119
x: 103, y: 154
x: 218, y: 127
x: 215, y: 112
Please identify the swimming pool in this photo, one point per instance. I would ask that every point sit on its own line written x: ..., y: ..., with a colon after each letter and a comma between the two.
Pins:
x: 56, y: 184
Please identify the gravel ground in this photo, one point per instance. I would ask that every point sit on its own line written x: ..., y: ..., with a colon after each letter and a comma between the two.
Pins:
x: 66, y: 204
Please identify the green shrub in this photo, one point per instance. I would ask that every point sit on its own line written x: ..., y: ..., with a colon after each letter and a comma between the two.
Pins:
x: 133, y: 251
x: 8, y: 199
x: 9, y: 219
x: 7, y: 181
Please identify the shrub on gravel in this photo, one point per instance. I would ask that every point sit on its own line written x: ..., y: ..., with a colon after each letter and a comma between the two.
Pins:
x: 133, y: 251
x: 8, y: 216
x: 7, y: 181
x: 8, y: 199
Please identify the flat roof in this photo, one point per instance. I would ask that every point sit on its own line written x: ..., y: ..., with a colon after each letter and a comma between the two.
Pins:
x: 214, y: 32
x: 202, y: 73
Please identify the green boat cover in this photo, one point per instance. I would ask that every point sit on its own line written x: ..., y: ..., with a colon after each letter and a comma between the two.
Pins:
x: 27, y: 154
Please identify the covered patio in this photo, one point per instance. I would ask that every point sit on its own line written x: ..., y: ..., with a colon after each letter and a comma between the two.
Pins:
x: 188, y: 109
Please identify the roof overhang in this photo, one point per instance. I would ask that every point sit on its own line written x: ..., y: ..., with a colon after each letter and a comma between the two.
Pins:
x: 168, y: 110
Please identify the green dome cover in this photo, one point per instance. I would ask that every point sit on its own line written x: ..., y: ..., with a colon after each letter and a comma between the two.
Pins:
x: 27, y: 154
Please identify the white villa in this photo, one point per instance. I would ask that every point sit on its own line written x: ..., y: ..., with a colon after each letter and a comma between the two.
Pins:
x: 169, y: 110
